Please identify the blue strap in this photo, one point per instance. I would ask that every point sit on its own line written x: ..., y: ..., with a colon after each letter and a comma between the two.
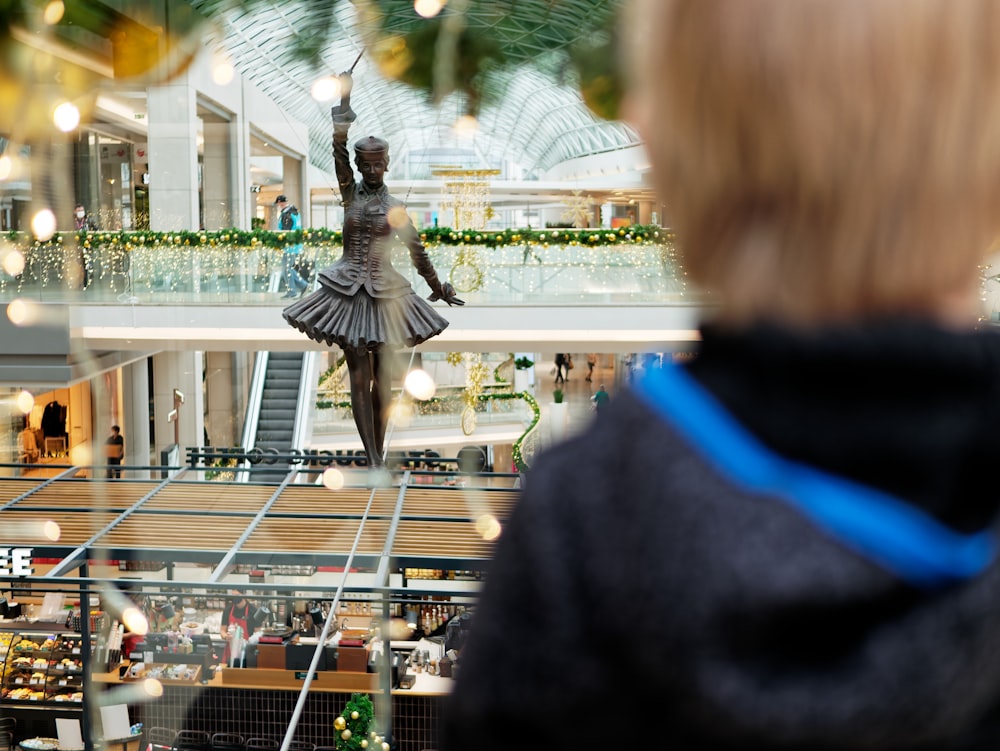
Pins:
x: 884, y: 529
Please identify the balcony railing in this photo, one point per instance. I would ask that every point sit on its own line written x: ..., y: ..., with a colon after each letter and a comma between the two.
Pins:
x: 231, y: 267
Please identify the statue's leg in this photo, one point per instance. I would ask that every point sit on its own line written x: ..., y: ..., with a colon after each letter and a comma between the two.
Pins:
x: 360, y: 371
x: 381, y: 394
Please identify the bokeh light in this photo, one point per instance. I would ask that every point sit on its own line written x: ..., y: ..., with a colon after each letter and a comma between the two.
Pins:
x: 428, y: 8
x: 43, y: 225
x: 33, y: 530
x: 81, y: 455
x: 20, y: 312
x: 223, y: 72
x: 53, y: 12
x: 326, y: 88
x: 419, y: 384
x: 135, y: 621
x: 152, y: 688
x: 13, y: 262
x: 466, y: 125
x: 6, y: 167
x: 488, y: 527
x: 333, y: 478
x: 66, y: 117
x: 398, y: 217
x: 401, y: 414
x: 25, y: 402
x: 51, y: 531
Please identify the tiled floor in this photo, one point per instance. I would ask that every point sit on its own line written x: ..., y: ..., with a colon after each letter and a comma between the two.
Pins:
x: 577, y: 392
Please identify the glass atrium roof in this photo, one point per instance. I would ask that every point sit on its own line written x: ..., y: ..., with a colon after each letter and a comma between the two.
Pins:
x: 533, y: 123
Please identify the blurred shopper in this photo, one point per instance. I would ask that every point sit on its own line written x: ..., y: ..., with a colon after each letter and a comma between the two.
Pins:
x: 562, y: 373
x: 791, y: 543
x: 81, y: 270
x: 290, y: 220
x: 601, y: 398
x: 82, y: 220
x: 115, y: 449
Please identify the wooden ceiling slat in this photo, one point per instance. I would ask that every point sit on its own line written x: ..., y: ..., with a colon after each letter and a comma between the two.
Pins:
x: 152, y: 531
x: 11, y: 488
x: 76, y: 527
x: 305, y: 499
x: 435, y: 522
x: 318, y: 535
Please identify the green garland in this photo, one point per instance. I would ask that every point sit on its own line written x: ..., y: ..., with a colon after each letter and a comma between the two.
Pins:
x: 516, y: 455
x: 634, y: 235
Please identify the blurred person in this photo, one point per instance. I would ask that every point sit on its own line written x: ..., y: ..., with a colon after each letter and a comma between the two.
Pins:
x: 591, y: 362
x: 115, y: 450
x: 790, y: 542
x: 27, y: 444
x: 601, y: 399
x: 238, y: 613
x: 82, y: 220
x: 290, y: 220
x: 562, y: 370
x: 363, y: 305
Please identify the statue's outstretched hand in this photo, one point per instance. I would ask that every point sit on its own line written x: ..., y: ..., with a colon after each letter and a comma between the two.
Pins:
x: 346, y: 83
x: 342, y: 113
x: 447, y: 294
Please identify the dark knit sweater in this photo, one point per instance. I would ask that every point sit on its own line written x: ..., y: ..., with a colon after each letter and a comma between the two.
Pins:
x: 638, y: 598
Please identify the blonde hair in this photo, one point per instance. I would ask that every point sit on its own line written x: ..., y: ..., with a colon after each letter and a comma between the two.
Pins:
x: 824, y: 159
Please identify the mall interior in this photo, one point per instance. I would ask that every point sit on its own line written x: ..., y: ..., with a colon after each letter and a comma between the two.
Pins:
x: 141, y: 157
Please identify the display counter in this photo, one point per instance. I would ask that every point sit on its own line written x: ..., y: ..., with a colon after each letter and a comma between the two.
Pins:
x: 39, y: 666
x: 331, y: 681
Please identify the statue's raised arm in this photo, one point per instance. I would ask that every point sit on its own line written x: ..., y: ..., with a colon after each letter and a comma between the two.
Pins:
x: 343, y: 116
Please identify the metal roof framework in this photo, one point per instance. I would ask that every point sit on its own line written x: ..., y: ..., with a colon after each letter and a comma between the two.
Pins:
x: 185, y: 519
x: 535, y: 123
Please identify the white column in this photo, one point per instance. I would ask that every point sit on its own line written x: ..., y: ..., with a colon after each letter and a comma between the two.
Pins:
x: 135, y: 388
x: 222, y: 417
x: 173, y: 157
x: 244, y: 203
x: 181, y: 371
x: 293, y: 177
x: 217, y: 176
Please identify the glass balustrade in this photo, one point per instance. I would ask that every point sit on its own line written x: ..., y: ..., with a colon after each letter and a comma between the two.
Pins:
x: 171, y: 274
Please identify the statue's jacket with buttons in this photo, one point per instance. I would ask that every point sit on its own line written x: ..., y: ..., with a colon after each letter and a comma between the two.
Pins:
x: 369, y: 232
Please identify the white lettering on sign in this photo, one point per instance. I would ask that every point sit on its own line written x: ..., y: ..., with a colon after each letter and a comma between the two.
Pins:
x: 16, y: 562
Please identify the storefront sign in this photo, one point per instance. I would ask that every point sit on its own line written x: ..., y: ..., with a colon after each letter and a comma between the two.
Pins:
x: 16, y: 562
x: 219, y: 457
x: 256, y: 455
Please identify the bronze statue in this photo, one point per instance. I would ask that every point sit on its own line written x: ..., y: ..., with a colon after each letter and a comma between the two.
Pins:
x: 363, y: 305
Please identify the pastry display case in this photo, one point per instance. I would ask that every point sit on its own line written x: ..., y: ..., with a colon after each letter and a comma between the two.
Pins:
x: 39, y: 667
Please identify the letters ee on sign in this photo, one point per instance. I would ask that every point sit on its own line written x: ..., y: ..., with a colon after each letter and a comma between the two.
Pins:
x: 16, y: 562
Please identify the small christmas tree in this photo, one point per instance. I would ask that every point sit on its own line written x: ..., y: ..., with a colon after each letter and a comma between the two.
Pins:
x: 355, y: 726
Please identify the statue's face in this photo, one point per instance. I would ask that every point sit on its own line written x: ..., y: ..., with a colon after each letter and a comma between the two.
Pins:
x: 372, y: 170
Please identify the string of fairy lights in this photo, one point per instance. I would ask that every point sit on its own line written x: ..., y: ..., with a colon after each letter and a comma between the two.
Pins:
x: 237, y: 261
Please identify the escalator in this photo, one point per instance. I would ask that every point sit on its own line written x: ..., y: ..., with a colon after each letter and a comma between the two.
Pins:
x: 279, y: 401
x: 281, y: 392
